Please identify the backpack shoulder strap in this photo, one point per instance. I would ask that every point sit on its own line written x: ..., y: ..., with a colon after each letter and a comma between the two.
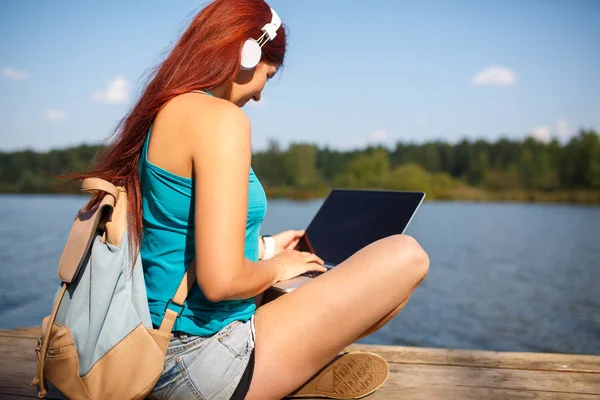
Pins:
x: 182, y: 292
x: 84, y: 228
x: 100, y: 185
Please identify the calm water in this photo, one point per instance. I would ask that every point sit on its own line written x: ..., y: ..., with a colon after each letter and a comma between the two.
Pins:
x: 503, y: 276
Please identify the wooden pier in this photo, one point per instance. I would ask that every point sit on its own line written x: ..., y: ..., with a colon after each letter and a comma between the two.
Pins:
x: 415, y: 373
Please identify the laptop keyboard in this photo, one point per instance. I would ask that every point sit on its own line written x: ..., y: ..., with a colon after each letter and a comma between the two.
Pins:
x: 312, y: 274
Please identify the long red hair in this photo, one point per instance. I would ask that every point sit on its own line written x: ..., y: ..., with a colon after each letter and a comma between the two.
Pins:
x: 207, y: 55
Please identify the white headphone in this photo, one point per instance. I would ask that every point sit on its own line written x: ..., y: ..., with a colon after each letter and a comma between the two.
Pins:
x: 252, y: 49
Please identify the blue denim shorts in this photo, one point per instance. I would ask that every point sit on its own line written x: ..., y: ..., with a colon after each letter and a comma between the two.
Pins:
x: 206, y: 367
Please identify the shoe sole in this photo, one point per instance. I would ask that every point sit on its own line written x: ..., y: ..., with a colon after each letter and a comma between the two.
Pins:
x: 350, y: 376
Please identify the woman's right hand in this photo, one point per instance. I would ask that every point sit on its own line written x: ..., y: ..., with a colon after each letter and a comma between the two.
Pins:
x: 296, y: 263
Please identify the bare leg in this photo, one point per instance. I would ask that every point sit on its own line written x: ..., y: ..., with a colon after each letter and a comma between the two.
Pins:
x: 299, y: 333
x: 378, y: 325
x: 383, y: 321
x: 388, y: 317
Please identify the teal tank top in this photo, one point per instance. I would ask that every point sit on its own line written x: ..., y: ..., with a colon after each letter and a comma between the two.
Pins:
x: 168, y: 247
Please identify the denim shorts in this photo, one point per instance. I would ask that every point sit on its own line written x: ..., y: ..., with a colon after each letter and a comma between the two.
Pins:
x: 206, y: 367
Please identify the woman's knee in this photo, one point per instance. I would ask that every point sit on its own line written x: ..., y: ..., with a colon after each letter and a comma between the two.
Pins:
x: 409, y: 257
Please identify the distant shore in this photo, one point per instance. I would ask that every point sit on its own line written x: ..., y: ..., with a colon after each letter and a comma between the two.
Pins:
x: 462, y: 194
x: 468, y: 194
x: 525, y: 171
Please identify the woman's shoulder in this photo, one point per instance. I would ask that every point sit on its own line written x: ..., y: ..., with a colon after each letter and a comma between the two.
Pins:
x: 196, y: 111
x: 198, y: 122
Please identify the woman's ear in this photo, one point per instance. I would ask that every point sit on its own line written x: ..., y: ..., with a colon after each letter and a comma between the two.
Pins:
x: 245, y: 76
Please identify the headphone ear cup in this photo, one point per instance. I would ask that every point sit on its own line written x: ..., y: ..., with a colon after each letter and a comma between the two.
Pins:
x: 251, y: 54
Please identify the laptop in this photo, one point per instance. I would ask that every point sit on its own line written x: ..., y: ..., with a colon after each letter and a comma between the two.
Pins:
x: 350, y: 219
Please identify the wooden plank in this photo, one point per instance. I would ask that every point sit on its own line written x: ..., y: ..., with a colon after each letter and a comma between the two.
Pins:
x: 485, y: 359
x: 419, y: 376
x: 412, y: 381
x: 31, y: 333
x: 415, y: 373
x: 425, y: 382
x: 50, y: 396
x: 434, y: 356
x: 18, y: 361
x: 389, y: 392
x: 438, y: 392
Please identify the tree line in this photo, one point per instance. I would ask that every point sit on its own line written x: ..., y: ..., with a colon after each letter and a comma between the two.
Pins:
x: 467, y: 169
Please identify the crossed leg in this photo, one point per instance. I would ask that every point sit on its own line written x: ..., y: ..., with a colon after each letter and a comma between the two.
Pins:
x: 299, y: 333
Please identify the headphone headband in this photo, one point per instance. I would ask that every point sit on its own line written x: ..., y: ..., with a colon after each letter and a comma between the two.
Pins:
x: 252, y: 49
x: 271, y: 28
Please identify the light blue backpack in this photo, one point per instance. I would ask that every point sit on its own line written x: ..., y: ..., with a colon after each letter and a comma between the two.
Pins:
x: 99, y: 342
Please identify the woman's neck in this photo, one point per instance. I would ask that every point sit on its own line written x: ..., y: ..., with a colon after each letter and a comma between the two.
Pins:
x: 219, y: 91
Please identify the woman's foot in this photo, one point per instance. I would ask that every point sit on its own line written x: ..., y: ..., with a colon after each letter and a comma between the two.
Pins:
x: 351, y: 375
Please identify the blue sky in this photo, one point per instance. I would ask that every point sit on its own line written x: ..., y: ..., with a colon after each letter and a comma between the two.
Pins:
x: 357, y: 72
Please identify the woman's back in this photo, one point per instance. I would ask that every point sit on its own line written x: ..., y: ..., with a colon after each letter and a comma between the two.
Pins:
x: 168, y: 245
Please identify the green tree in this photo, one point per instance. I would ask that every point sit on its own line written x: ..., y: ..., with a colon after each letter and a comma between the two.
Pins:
x: 546, y: 176
x: 366, y: 171
x: 478, y: 168
x: 591, y: 158
x: 434, y: 166
x: 410, y: 177
x: 269, y: 165
x: 300, y: 163
x: 527, y: 168
x: 507, y: 179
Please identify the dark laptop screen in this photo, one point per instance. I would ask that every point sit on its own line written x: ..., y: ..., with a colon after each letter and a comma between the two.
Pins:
x: 349, y: 220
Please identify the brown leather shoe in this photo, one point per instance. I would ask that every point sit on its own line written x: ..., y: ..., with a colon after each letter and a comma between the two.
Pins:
x: 351, y: 375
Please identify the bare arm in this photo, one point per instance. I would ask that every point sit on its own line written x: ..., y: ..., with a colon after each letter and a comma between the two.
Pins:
x: 221, y: 153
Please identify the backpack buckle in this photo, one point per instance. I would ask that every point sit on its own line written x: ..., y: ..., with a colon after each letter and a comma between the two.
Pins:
x: 171, y: 301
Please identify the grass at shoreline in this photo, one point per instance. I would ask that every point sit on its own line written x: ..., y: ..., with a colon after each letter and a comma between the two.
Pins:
x: 460, y: 194
x: 468, y: 194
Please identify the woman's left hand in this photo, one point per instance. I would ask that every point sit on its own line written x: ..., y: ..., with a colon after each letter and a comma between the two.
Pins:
x: 287, y: 240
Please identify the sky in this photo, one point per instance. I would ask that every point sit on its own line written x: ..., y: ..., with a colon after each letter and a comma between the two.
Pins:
x: 357, y: 72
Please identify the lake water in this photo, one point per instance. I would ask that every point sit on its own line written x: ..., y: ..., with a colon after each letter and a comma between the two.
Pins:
x: 516, y: 277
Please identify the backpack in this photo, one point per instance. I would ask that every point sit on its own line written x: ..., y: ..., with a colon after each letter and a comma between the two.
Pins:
x: 99, y: 342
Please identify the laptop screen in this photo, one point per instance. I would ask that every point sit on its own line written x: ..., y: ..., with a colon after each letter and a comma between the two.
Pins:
x: 349, y: 220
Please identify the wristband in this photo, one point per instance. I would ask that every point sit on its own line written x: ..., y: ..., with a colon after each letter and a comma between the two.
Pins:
x: 269, y: 247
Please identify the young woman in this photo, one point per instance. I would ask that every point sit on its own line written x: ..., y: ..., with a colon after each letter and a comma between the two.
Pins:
x: 183, y: 153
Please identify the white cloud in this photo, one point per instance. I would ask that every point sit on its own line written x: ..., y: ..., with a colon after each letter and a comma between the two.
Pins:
x: 53, y: 114
x: 15, y: 74
x: 495, y: 76
x: 541, y: 133
x: 562, y: 131
x: 116, y: 92
x: 378, y: 136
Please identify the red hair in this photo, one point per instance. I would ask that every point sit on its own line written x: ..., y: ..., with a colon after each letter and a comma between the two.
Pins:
x: 207, y: 55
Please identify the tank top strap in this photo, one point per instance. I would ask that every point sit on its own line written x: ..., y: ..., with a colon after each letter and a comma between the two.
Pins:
x: 205, y: 91
x: 146, y: 145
